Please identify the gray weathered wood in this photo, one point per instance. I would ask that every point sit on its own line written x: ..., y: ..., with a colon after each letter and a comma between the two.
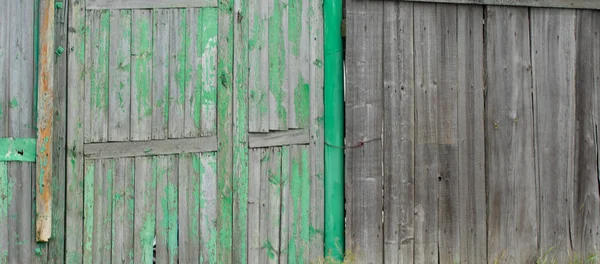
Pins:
x: 512, y: 217
x: 149, y: 148
x: 278, y: 78
x: 5, y: 201
x: 141, y: 75
x: 398, y: 133
x: 286, y: 205
x: 148, y: 4
x: 274, y: 206
x: 189, y: 208
x: 102, y: 213
x: 144, y: 216
x: 254, y: 204
x: 88, y: 211
x: 299, y: 234
x: 119, y: 75
x: 298, y: 52
x: 283, y: 138
x: 258, y: 61
x: 193, y: 73
x: 166, y: 209
x: 177, y: 67
x: 208, y: 207
x: 583, y: 4
x: 471, y: 143
x: 160, y: 72
x: 263, y: 215
x: 123, y: 211
x: 208, y: 104
x: 364, y: 105
x: 97, y: 91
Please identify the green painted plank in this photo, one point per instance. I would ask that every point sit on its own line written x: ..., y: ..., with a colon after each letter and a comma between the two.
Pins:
x: 285, y: 205
x: 278, y: 103
x: 123, y: 211
x: 258, y: 61
x: 193, y: 73
x: 189, y: 203
x: 99, y: 69
x: 160, y: 72
x: 146, y: 171
x: 298, y: 247
x: 209, y: 71
x: 177, y: 72
x: 209, y: 209
x: 18, y: 149
x: 88, y: 211
x: 271, y: 246
x: 166, y: 210
x: 298, y: 63
x: 141, y: 75
x: 254, y: 163
x: 5, y: 199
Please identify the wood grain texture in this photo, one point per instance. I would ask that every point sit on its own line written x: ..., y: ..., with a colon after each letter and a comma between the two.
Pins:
x: 286, y: 206
x: 88, y: 211
x: 278, y: 79
x: 148, y: 4
x: 102, y: 213
x: 254, y: 204
x: 398, y: 132
x: 141, y: 75
x: 263, y: 201
x: 582, y: 4
x: 273, y: 171
x: 364, y: 112
x: 5, y: 200
x: 258, y: 72
x: 299, y: 234
x: 167, y: 210
x: 189, y: 207
x: 512, y: 227
x: 298, y: 71
x: 123, y: 211
x: 209, y: 210
x: 208, y: 47
x: 97, y: 91
x: 177, y: 71
x: 145, y: 206
x: 553, y: 49
x: 193, y: 73
x: 149, y: 148
x: 119, y: 95
x: 160, y: 72
x: 280, y: 138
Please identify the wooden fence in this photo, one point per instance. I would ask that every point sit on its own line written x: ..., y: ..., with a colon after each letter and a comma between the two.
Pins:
x: 480, y: 133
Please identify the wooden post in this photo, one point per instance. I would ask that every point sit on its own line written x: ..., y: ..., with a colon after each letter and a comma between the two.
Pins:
x: 45, y: 110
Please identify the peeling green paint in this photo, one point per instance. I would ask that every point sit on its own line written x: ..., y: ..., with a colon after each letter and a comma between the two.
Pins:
x: 88, y: 218
x: 211, y: 244
x: 142, y: 60
x: 209, y: 71
x: 271, y: 251
x: 18, y: 149
x: 302, y: 102
x: 300, y: 195
x: 14, y: 103
x: 197, y: 96
x: 169, y: 204
x: 99, y: 73
x: 294, y: 25
x: 5, y: 193
x: 277, y: 65
x: 180, y: 76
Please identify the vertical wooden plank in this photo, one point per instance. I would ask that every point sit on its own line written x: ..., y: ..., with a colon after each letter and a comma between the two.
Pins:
x: 263, y: 212
x: 119, y: 75
x: 272, y: 245
x: 299, y: 248
x: 4, y: 68
x: 5, y: 200
x: 88, y: 211
x: 286, y: 205
x: 99, y: 83
x: 166, y: 210
x: 173, y: 209
x: 75, y: 169
x: 193, y: 73
x: 364, y: 99
x: 145, y: 216
x: 123, y: 211
x: 512, y: 226
x: 208, y: 208
x: 585, y: 214
x: 189, y: 205
x: 103, y: 183
x: 254, y: 204
x: 471, y: 141
x: 278, y: 81
x: 177, y: 72
x: 208, y: 103
x: 398, y: 133
x: 553, y: 48
x: 258, y: 60
x: 141, y: 75
x: 298, y: 54
x: 160, y: 72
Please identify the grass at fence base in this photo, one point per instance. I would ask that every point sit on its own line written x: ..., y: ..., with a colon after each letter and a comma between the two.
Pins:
x: 349, y: 258
x: 547, y: 258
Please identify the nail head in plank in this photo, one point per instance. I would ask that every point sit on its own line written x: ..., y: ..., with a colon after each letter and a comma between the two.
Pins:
x: 149, y: 148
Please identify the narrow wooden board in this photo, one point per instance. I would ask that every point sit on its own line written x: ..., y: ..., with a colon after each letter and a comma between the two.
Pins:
x: 102, y: 237
x: 160, y: 72
x: 88, y: 211
x: 209, y: 209
x: 512, y: 226
x: 286, y: 205
x: 398, y: 133
x: 298, y: 72
x: 189, y: 207
x: 5, y: 200
x: 99, y: 45
x: 193, y: 73
x: 263, y: 212
x: 148, y: 4
x: 145, y: 209
x: 119, y: 76
x: 471, y: 141
x: 18, y: 149
x: 149, y: 148
x: 272, y: 244
x: 278, y: 81
x: 299, y: 235
x: 123, y: 211
x: 141, y: 75
x: 580, y: 4
x: 167, y: 210
x: 208, y: 103
x: 177, y: 71
x: 279, y: 138
x: 258, y: 60
x: 254, y: 204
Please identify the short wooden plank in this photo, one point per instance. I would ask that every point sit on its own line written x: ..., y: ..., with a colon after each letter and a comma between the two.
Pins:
x: 471, y: 141
x: 364, y: 115
x: 579, y: 4
x: 88, y: 211
x: 119, y: 75
x: 193, y: 73
x: 263, y: 212
x: 145, y: 206
x: 189, y: 207
x: 585, y: 217
x: 553, y: 48
x: 75, y: 132
x: 272, y: 244
x: 148, y: 4
x: 254, y: 204
x: 5, y: 200
x: 123, y: 211
x: 280, y: 138
x: 160, y: 72
x: 398, y: 133
x: 98, y: 74
x: 298, y: 54
x: 103, y: 184
x: 141, y: 75
x: 512, y: 226
x: 166, y: 210
x: 208, y: 207
x: 18, y: 149
x: 258, y: 60
x: 4, y: 69
x: 177, y: 72
x: 286, y: 205
x: 278, y: 79
x: 299, y: 248
x: 208, y: 104
x: 149, y: 148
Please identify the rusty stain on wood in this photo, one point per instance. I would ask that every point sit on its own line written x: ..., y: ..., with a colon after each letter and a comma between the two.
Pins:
x: 44, y: 123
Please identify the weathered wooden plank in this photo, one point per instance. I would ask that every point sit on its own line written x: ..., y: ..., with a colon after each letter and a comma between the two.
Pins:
x: 102, y: 237
x: 585, y: 214
x: 398, y: 133
x: 160, y: 72
x: 286, y: 205
x: 75, y: 167
x: 364, y: 116
x: 177, y: 72
x: 580, y: 4
x: 5, y: 200
x: 98, y: 75
x: 471, y: 142
x: 145, y: 214
x: 279, y: 138
x: 141, y: 75
x: 263, y: 212
x: 166, y: 210
x: 88, y: 211
x: 149, y: 148
x: 193, y: 74
x: 258, y: 61
x: 208, y: 207
x: 553, y: 48
x: 123, y: 211
x: 272, y: 244
x: 298, y: 72
x: 512, y: 226
x: 4, y: 69
x: 299, y: 235
x: 278, y: 79
x: 427, y: 53
x: 18, y: 149
x: 120, y: 76
x: 148, y: 4
x: 254, y: 204
x: 189, y: 205
x: 208, y: 103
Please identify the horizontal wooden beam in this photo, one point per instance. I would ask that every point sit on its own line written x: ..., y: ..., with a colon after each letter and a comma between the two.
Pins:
x: 149, y: 148
x: 579, y: 4
x: 148, y: 4
x: 279, y: 138
x: 17, y: 149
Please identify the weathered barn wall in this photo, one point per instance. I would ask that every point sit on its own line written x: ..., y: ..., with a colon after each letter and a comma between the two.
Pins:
x: 480, y: 131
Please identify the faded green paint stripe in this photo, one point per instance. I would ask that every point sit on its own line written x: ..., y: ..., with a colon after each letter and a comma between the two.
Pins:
x: 302, y: 102
x: 294, y: 25
x: 5, y: 200
x: 142, y: 62
x: 88, y: 212
x: 18, y: 149
x: 300, y: 196
x: 277, y: 61
x: 209, y: 69
x: 169, y: 203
